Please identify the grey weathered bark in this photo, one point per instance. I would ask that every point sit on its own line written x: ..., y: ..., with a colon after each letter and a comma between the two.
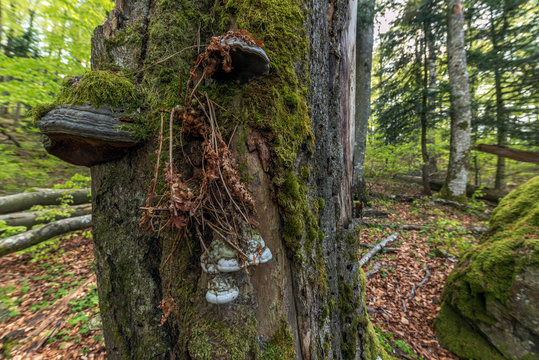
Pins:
x: 457, y: 172
x: 33, y: 237
x: 364, y: 44
x: 423, y: 79
x: 24, y: 201
x: 30, y: 218
x: 312, y: 292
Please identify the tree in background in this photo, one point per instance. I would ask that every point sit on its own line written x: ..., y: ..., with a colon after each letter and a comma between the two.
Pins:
x: 364, y: 46
x: 407, y: 89
x: 504, y: 58
x: 457, y: 171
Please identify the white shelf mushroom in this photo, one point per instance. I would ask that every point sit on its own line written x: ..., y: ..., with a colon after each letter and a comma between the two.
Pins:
x: 224, y: 255
x: 221, y: 290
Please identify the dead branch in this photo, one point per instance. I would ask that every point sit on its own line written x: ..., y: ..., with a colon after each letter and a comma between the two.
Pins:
x: 374, y: 270
x: 23, y: 201
x: 503, y: 151
x: 33, y: 237
x: 377, y: 248
x: 404, y: 305
x: 422, y: 282
x: 29, y: 219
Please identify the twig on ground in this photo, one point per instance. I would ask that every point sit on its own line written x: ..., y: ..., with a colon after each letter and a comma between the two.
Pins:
x: 377, y: 248
x: 425, y: 279
x: 404, y: 305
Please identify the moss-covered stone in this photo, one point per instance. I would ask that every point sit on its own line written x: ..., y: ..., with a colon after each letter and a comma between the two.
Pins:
x: 482, y: 285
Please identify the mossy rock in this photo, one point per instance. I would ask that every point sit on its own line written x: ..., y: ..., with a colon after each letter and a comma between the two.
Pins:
x: 493, y: 292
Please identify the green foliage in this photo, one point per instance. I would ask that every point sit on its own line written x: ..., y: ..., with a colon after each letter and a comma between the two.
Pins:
x: 393, y: 346
x: 7, y: 231
x: 45, y: 41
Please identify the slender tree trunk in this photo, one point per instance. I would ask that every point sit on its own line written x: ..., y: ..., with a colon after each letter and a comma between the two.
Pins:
x: 455, y: 184
x: 422, y: 59
x: 364, y: 44
x: 308, y: 300
x: 431, y: 95
x: 500, y: 105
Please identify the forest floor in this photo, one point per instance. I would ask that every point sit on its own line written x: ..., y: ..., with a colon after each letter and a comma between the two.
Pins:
x: 48, y: 298
x: 405, y: 322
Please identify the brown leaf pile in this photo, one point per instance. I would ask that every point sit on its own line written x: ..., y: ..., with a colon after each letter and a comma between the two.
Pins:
x: 41, y: 329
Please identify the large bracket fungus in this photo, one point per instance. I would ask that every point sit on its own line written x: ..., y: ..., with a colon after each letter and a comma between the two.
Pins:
x: 83, y: 135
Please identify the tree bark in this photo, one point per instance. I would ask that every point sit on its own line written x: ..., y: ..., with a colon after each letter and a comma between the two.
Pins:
x: 23, y: 201
x: 455, y: 184
x: 46, y: 232
x: 310, y: 293
x: 29, y: 219
x: 364, y: 44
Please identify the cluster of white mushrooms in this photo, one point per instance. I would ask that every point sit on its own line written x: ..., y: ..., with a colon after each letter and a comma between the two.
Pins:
x: 222, y: 260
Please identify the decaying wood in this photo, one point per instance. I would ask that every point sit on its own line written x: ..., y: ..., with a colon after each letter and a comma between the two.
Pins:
x: 422, y: 282
x: 33, y: 237
x: 436, y: 185
x: 453, y: 203
x: 29, y: 219
x: 23, y: 201
x: 374, y: 213
x: 504, y: 151
x: 377, y: 248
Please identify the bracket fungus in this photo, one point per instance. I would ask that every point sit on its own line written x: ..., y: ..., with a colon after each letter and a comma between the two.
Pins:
x: 235, y: 56
x: 83, y: 135
x: 221, y: 290
x: 222, y: 258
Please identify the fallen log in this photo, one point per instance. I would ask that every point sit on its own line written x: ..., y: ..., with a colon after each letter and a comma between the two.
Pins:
x: 29, y: 219
x: 504, y: 151
x: 24, y: 201
x: 33, y: 237
x: 436, y: 185
x: 377, y: 248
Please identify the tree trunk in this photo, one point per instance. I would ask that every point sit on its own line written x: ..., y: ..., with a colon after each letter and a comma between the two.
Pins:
x: 455, y: 184
x: 306, y: 303
x: 364, y: 43
x: 424, y: 81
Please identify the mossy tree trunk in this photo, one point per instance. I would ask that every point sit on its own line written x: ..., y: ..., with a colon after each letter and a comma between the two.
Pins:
x: 308, y: 300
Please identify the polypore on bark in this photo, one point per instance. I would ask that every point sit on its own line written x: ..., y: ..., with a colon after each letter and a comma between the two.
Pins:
x: 248, y: 61
x: 221, y: 290
x: 83, y: 135
x: 223, y: 256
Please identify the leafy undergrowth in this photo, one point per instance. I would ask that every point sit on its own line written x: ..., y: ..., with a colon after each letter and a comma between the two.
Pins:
x: 405, y: 326
x: 29, y: 165
x: 48, y: 302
